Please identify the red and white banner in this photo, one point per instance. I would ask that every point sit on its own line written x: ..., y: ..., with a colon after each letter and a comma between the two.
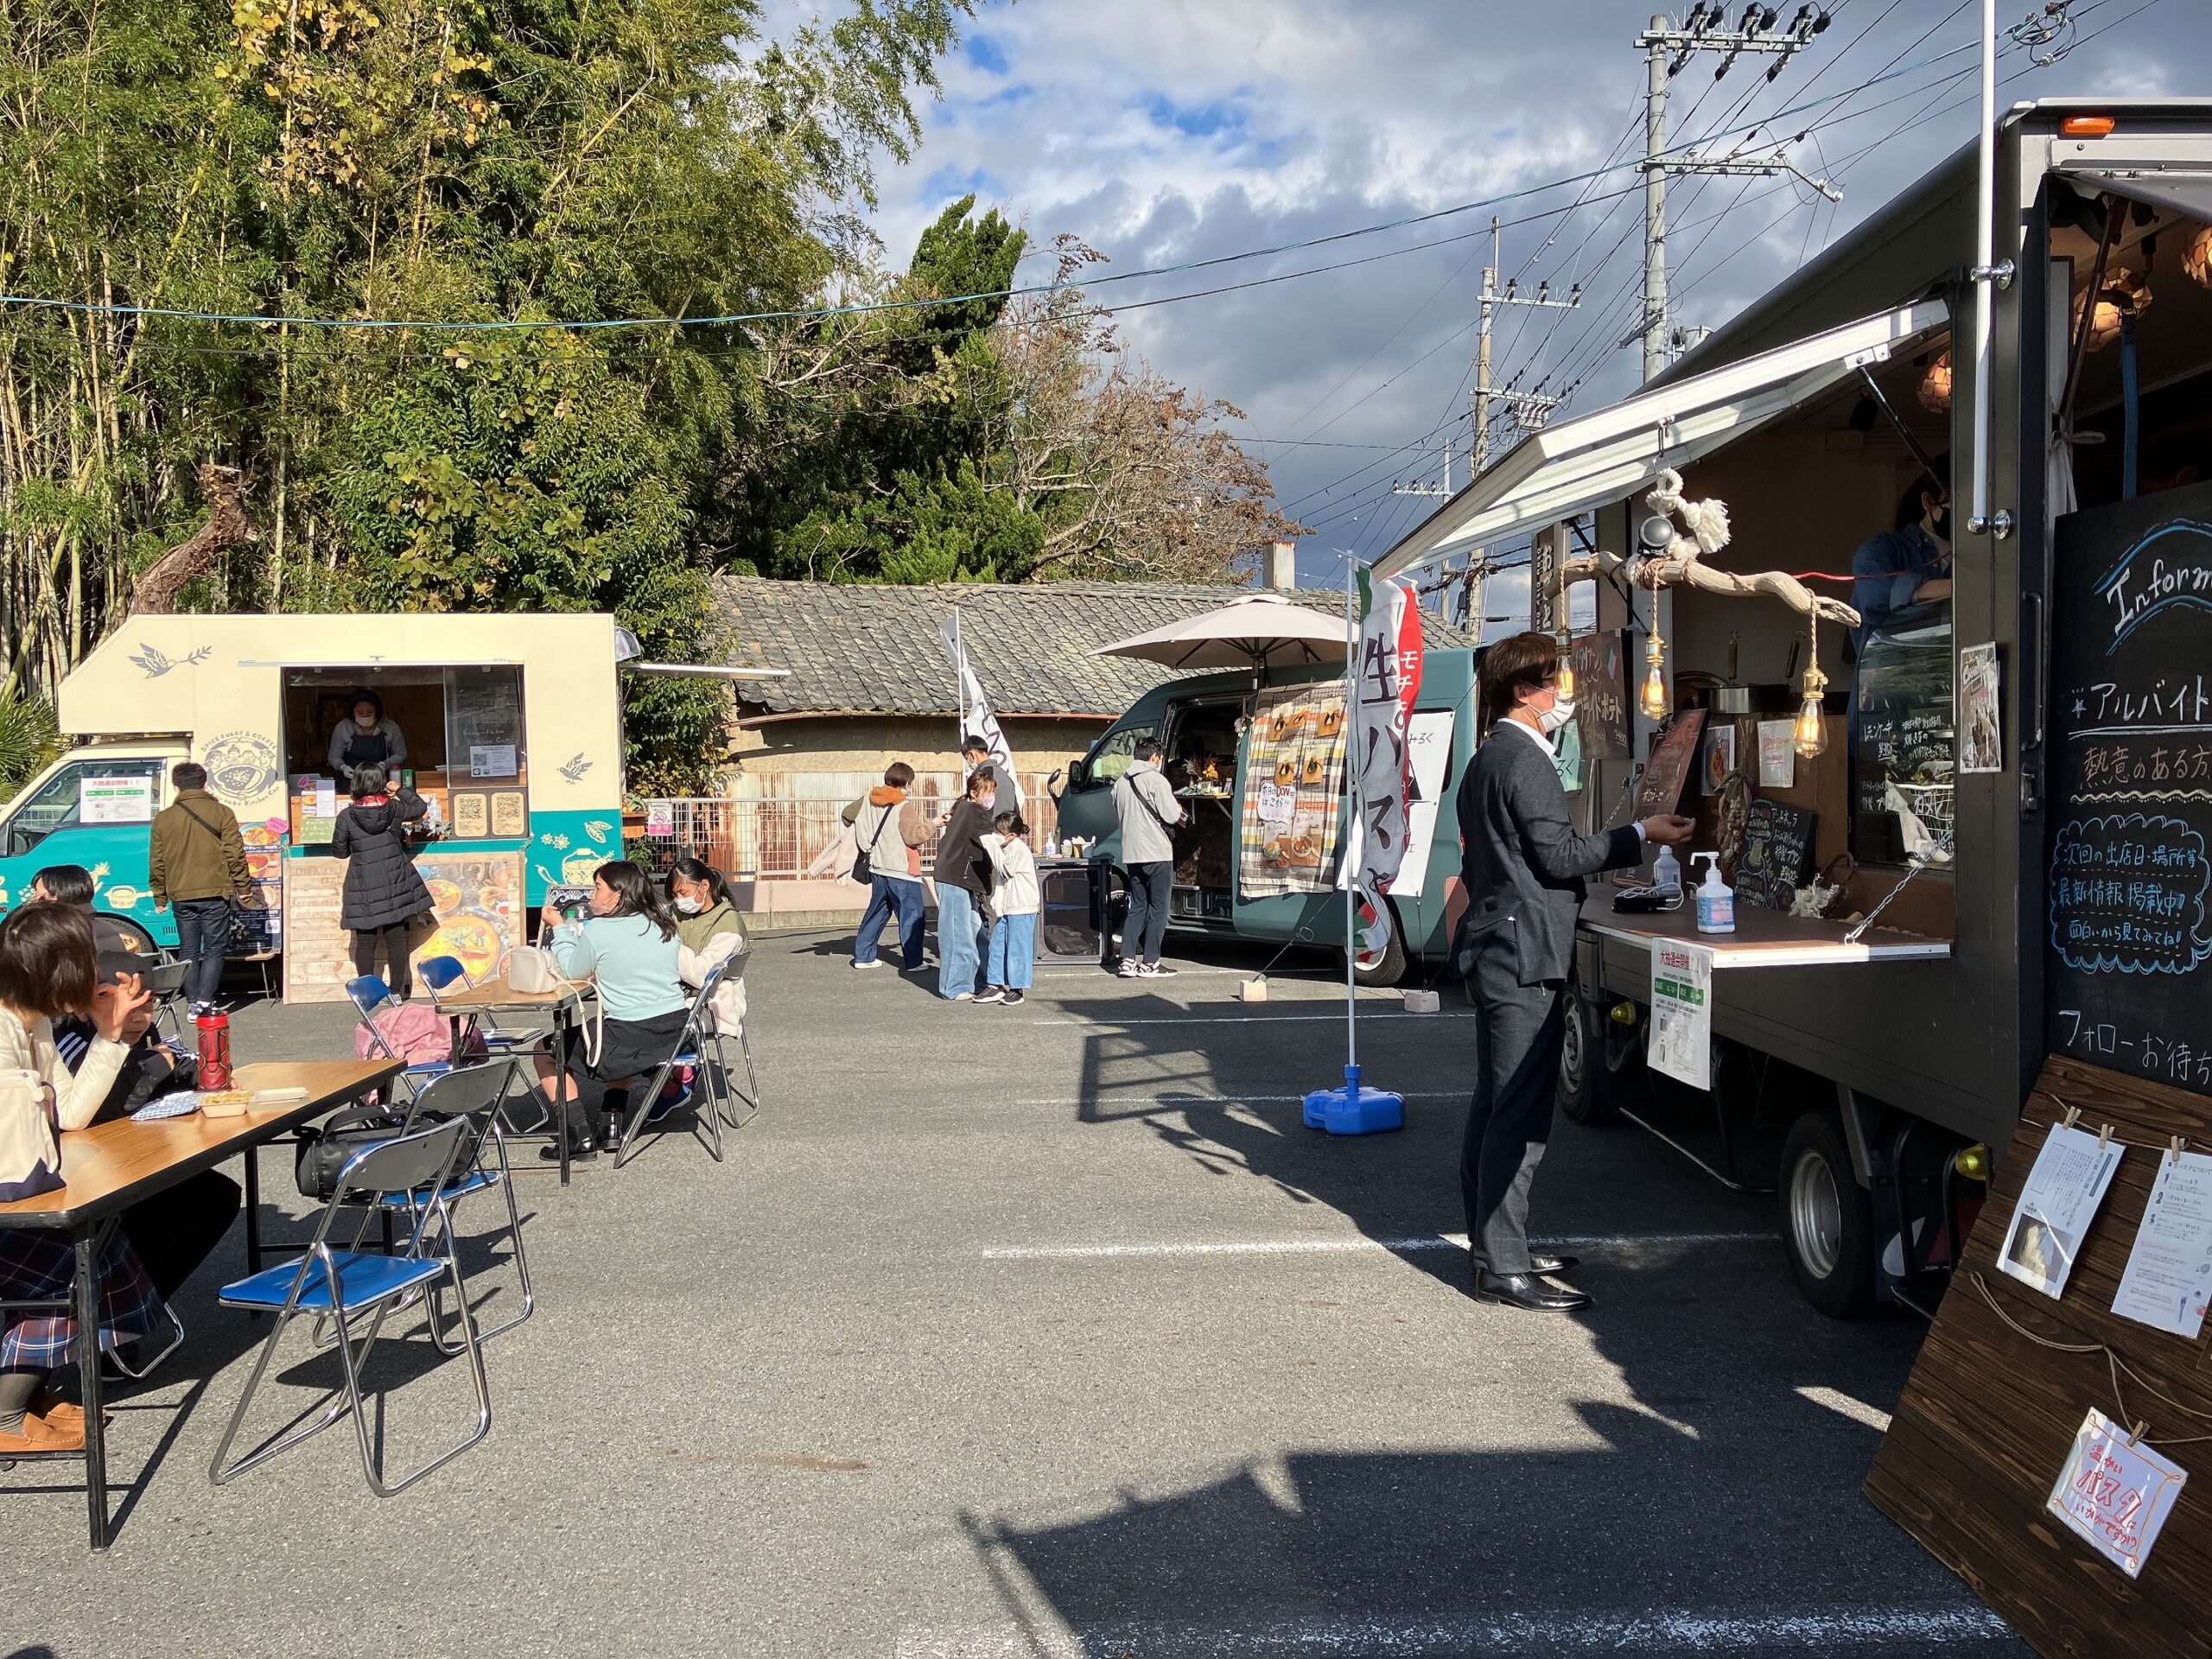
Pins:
x: 1386, y: 684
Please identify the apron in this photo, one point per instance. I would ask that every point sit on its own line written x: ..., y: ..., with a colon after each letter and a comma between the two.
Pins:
x: 366, y: 749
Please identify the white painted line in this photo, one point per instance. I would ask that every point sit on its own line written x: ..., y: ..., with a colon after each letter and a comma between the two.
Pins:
x: 1844, y: 1406
x: 1351, y: 1246
x: 1200, y: 1017
x: 1827, y: 1631
x: 1173, y: 1099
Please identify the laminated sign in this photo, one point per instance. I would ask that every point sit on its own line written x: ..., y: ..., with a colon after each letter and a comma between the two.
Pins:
x: 1680, y: 1044
x: 2116, y: 1493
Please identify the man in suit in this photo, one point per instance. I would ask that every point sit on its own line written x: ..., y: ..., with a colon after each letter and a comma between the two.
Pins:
x: 1522, y: 866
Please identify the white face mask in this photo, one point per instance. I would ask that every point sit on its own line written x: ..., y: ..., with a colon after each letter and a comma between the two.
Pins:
x: 689, y: 906
x: 1556, y: 717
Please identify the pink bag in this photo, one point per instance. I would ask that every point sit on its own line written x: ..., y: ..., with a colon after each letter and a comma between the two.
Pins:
x: 420, y: 1035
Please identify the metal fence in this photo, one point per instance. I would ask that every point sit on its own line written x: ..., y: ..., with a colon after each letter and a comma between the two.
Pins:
x: 782, y: 838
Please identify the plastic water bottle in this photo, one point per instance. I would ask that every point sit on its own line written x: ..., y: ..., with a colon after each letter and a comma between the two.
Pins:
x: 1052, y: 846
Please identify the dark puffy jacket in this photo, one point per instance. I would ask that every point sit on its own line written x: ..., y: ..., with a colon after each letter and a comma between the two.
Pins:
x: 382, y: 885
x: 960, y: 858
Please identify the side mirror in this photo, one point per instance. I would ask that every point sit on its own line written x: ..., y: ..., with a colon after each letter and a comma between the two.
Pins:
x: 1078, y: 776
x: 1055, y: 778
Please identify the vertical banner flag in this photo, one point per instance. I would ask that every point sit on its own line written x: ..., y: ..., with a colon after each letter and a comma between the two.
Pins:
x: 1388, y: 681
x: 976, y: 719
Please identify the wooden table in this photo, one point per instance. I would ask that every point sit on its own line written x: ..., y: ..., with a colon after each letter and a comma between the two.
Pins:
x: 497, y: 996
x: 1762, y: 938
x: 109, y: 1167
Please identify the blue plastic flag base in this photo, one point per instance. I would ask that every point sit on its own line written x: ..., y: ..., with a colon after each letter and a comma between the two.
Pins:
x: 1354, y: 1111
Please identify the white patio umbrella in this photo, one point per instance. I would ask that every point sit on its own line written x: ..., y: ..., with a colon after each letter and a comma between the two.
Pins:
x: 1257, y: 631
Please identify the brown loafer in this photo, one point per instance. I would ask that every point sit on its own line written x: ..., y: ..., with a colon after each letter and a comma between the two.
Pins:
x: 38, y: 1436
x: 59, y: 1413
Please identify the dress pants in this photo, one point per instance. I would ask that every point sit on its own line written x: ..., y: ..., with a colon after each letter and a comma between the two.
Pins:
x: 1519, y: 1032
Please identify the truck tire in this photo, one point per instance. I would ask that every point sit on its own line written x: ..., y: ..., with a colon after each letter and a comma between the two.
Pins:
x: 1589, y: 1092
x: 1385, y: 967
x: 138, y: 938
x: 1827, y: 1219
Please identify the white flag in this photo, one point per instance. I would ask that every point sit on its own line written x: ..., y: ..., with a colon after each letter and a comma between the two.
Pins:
x: 1388, y: 681
x: 979, y: 721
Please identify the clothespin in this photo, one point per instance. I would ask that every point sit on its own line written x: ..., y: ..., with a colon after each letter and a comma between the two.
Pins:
x: 2073, y: 1114
x: 2176, y: 1146
x: 2135, y: 1436
x: 2104, y: 1136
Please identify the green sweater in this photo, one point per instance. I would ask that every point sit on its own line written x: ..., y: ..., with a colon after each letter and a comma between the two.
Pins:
x: 634, y: 967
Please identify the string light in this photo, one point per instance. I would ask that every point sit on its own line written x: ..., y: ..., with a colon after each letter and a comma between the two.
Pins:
x: 1655, y: 701
x: 1811, y: 735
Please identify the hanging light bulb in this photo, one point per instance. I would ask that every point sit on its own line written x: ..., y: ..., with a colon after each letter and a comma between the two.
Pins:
x: 1810, y: 735
x: 1654, y: 700
x: 2196, y: 258
x: 1566, y: 681
x: 1936, y: 385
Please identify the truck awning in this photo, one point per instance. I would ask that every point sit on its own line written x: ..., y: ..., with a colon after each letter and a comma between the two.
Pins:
x: 2184, y: 190
x: 1601, y: 457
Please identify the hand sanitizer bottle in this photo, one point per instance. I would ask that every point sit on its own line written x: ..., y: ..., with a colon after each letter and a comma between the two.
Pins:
x: 1667, y: 871
x: 1716, y: 903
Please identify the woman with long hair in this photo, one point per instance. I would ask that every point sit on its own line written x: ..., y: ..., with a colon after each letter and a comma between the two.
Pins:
x: 627, y: 947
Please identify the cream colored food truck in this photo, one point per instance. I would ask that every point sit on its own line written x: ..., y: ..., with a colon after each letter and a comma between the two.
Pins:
x: 513, y: 734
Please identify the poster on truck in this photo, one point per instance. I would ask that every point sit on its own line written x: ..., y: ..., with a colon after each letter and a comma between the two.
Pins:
x: 1295, y: 755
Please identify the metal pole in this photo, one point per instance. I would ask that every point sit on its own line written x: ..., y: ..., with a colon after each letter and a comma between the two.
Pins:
x: 1478, y: 453
x: 1655, y: 205
x: 1352, y: 831
x: 1985, y: 232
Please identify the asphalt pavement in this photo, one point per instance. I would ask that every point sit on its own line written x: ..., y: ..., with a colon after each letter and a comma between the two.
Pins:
x: 1043, y: 1331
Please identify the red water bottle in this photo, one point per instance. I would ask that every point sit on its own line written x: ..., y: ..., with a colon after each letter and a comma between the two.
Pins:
x: 215, y: 1049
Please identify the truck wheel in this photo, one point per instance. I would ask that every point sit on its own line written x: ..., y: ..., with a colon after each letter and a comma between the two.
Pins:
x: 1827, y: 1219
x: 134, y: 936
x: 1588, y: 1092
x: 1388, y: 965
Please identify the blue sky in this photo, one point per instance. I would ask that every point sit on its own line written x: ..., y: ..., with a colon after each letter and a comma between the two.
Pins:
x: 1164, y: 132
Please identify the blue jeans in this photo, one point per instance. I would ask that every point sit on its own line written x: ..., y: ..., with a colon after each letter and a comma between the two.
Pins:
x: 886, y: 899
x: 203, y: 938
x: 958, y: 936
x: 1014, y: 952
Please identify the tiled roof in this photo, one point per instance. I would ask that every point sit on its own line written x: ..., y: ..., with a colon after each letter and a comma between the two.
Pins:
x: 855, y: 648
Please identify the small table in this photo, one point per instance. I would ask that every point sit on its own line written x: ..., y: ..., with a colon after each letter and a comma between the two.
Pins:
x: 110, y: 1166
x: 496, y: 996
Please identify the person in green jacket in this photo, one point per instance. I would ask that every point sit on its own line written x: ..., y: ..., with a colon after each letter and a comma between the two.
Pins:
x: 198, y: 864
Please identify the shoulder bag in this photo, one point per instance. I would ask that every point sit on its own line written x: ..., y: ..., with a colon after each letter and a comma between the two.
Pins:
x: 863, y: 866
x: 31, y: 1156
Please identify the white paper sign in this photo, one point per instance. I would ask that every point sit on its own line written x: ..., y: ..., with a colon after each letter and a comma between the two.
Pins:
x: 2115, y: 1495
x: 490, y: 761
x: 1680, y: 1042
x: 1428, y: 743
x: 2168, y: 1278
x: 2056, y: 1205
x: 326, y: 798
x: 660, y: 817
x: 1277, y: 805
x: 115, y: 800
x: 1777, y: 754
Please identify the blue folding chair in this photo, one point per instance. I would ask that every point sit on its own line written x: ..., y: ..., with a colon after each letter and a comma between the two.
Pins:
x: 647, y: 1106
x: 370, y: 996
x: 440, y: 975
x: 346, y: 1285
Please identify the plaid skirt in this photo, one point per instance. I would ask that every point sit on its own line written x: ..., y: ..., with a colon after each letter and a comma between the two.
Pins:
x: 37, y: 1265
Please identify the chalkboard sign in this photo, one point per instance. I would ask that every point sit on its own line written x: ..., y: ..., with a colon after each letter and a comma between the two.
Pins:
x: 1674, y: 753
x: 2128, y: 973
x: 1777, y: 841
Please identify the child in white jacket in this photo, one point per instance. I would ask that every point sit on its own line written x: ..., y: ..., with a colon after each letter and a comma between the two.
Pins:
x: 1015, y: 902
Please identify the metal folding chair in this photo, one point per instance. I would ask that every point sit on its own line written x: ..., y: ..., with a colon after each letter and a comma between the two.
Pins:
x: 472, y: 1094
x: 370, y: 996
x: 440, y: 975
x: 733, y: 971
x: 345, y: 1284
x: 691, y: 1050
x: 166, y: 981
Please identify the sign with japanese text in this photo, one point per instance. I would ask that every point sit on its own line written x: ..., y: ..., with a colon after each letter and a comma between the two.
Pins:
x: 1388, y: 681
x: 1680, y: 1042
x: 2116, y: 1494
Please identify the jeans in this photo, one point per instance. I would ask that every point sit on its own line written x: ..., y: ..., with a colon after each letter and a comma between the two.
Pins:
x: 1148, y: 923
x: 401, y: 977
x: 887, y: 898
x: 203, y: 937
x: 958, y: 955
x: 1013, y: 951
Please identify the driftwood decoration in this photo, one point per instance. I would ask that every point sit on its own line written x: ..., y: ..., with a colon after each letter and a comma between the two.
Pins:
x: 1701, y: 527
x: 155, y: 592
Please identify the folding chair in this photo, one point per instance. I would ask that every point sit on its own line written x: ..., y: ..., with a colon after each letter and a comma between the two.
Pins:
x: 733, y: 971
x: 343, y: 1285
x: 473, y: 1094
x: 166, y: 983
x: 370, y: 996
x: 440, y: 975
x: 689, y: 1050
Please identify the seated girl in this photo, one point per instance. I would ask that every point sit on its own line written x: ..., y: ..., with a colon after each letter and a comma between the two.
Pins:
x: 627, y: 947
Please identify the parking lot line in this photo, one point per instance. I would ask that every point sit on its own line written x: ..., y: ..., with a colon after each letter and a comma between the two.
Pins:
x: 1352, y: 1246
x: 1829, y: 1630
x: 1201, y: 1016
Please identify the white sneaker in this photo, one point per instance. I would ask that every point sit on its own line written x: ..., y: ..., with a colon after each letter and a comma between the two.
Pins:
x: 1130, y: 969
x: 1156, y: 970
x: 863, y: 966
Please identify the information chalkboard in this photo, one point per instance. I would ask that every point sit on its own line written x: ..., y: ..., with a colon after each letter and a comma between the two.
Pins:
x: 1777, y: 840
x: 2128, y: 971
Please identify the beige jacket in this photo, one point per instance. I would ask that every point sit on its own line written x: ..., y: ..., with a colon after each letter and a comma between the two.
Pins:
x: 691, y: 968
x: 31, y: 1049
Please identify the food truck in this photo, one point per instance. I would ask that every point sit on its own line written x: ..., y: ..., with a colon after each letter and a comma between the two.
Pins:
x: 2013, y: 780
x: 1258, y: 763
x: 513, y: 732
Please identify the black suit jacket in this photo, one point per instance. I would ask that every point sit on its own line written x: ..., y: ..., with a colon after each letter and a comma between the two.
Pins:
x: 1521, y: 861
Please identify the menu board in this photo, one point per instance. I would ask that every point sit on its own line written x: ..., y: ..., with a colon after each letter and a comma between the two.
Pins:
x: 1777, y: 842
x: 483, y: 722
x: 1674, y: 753
x: 2128, y: 970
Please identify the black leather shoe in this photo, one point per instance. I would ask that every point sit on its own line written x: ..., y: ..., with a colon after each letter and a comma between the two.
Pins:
x: 1526, y: 1290
x: 1554, y: 1263
x: 580, y: 1152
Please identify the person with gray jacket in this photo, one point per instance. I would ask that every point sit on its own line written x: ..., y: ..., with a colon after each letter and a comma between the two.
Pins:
x: 1146, y: 804
x: 1522, y: 868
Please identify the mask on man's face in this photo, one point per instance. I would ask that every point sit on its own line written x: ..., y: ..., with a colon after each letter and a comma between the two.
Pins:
x: 1940, y: 526
x: 1555, y: 719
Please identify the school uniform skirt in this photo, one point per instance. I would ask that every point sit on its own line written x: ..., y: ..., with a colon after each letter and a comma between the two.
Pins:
x: 38, y: 1266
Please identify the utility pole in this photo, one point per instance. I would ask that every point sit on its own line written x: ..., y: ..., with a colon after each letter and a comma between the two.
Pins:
x: 1668, y: 50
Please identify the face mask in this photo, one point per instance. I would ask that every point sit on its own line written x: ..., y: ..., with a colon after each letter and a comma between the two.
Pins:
x: 1943, y: 525
x: 689, y: 906
x: 1561, y: 712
